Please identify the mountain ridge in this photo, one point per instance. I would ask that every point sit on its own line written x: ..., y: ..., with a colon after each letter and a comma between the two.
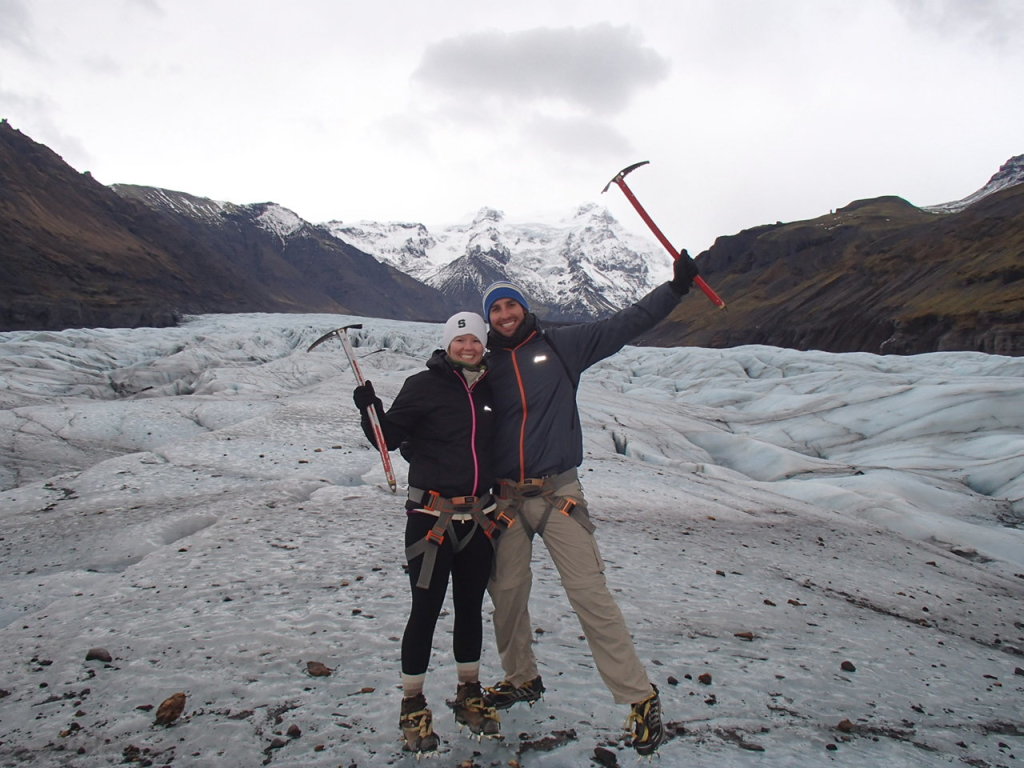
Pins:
x: 877, y: 275
x: 1009, y: 174
x: 584, y: 266
x: 77, y: 253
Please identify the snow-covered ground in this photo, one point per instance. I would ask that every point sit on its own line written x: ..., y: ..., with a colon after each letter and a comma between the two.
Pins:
x: 834, y: 539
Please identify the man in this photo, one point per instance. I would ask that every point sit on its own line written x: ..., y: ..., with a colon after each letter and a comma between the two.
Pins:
x: 538, y: 447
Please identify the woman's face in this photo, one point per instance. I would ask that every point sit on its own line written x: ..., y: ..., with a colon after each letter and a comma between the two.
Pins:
x: 466, y: 349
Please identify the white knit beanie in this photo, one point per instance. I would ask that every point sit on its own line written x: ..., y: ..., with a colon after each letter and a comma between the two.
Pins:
x: 462, y: 323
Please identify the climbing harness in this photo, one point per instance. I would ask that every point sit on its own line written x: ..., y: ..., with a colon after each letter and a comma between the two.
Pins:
x: 447, y: 511
x: 511, y: 495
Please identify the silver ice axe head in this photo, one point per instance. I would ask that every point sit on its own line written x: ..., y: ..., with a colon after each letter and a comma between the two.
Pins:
x: 622, y: 174
x: 332, y: 334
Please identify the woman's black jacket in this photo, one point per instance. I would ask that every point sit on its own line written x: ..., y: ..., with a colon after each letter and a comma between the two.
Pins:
x: 445, y: 428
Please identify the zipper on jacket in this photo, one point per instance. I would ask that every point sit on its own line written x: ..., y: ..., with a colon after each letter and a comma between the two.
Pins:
x: 522, y: 400
x: 472, y: 436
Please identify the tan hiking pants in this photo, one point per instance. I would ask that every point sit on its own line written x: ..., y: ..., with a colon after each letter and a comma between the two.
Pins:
x: 574, y: 552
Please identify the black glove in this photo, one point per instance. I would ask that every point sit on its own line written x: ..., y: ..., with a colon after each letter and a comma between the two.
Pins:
x: 684, y: 270
x: 364, y: 396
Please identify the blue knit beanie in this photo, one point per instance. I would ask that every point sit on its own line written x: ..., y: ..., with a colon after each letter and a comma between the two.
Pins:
x: 502, y: 290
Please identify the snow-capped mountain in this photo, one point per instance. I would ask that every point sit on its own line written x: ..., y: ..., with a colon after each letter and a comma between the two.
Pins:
x: 581, y: 268
x: 263, y: 255
x: 584, y: 266
x: 407, y: 246
x: 1009, y: 174
x: 270, y: 217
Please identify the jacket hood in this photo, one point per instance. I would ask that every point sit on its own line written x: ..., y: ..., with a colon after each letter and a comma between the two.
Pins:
x: 438, y: 361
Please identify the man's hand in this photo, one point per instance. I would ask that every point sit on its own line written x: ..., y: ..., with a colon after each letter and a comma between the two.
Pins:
x: 684, y: 270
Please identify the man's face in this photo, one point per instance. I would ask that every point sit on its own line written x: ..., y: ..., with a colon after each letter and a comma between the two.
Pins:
x: 506, y: 316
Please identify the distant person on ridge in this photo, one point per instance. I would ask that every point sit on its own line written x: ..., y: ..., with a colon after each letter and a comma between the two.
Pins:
x: 443, y: 420
x: 538, y: 447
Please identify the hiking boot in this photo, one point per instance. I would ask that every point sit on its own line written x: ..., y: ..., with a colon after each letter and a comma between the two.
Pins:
x: 645, y: 724
x: 415, y: 723
x: 504, y: 694
x: 470, y: 709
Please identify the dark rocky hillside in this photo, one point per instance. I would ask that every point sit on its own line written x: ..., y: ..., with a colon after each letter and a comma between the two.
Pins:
x: 74, y: 252
x: 876, y: 276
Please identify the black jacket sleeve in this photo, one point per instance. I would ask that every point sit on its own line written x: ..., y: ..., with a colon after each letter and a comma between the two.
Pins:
x: 398, y: 422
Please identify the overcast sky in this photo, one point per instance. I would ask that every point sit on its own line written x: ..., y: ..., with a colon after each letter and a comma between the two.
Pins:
x: 749, y: 111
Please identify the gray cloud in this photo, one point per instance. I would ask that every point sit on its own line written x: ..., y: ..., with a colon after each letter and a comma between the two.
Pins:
x: 998, y: 22
x: 596, y: 68
x: 15, y: 23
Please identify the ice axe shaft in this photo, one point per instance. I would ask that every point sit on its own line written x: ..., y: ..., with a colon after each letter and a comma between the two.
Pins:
x: 620, y: 180
x: 378, y: 433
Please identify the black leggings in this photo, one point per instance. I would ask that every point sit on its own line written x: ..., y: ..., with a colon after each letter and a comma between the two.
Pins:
x: 470, y: 569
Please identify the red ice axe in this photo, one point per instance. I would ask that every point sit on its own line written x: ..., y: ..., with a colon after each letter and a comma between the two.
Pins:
x: 378, y: 433
x: 619, y: 179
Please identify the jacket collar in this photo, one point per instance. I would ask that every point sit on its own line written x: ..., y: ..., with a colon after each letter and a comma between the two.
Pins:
x: 497, y: 341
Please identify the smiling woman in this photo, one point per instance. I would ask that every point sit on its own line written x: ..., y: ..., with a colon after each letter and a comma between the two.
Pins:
x: 443, y: 421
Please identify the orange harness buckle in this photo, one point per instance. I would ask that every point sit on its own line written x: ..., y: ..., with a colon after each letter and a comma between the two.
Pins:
x: 463, y: 503
x: 435, y: 537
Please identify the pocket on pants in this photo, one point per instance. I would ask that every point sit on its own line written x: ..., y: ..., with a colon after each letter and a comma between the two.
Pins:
x: 575, y: 552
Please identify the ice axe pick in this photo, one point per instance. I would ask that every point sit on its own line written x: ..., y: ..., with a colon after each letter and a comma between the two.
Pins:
x: 378, y: 433
x: 620, y: 180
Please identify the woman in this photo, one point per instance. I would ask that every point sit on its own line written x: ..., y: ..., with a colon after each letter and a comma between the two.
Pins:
x: 443, y: 420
